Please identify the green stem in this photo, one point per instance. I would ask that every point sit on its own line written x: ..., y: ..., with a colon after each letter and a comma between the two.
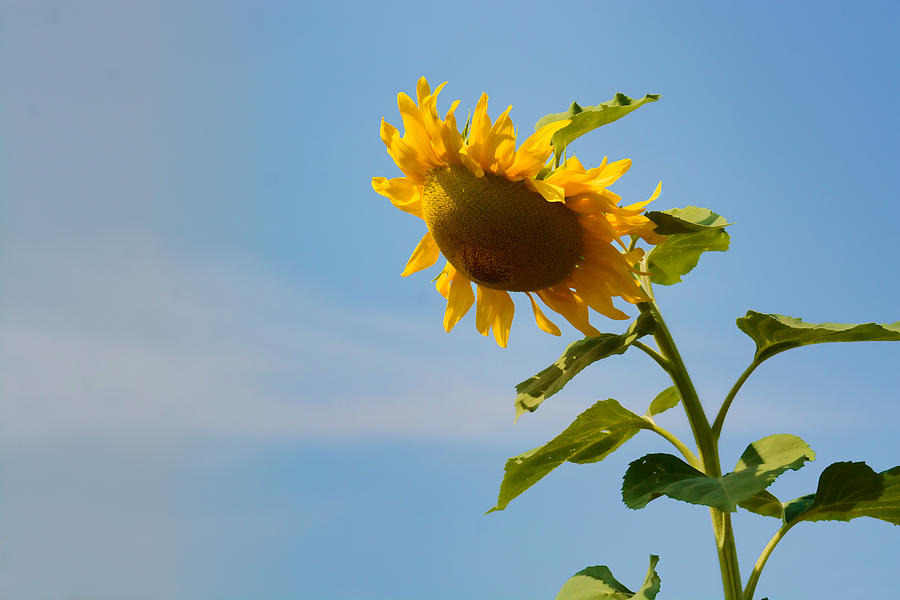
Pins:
x: 706, y: 444
x: 673, y: 439
x: 726, y: 404
x: 761, y: 561
x: 689, y: 398
x: 728, y: 561
x: 660, y: 359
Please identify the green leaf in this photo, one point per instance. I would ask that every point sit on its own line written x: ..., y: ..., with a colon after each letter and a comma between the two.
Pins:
x: 777, y: 333
x: 593, y: 435
x: 666, y: 399
x: 680, y: 253
x: 577, y: 356
x: 689, y: 219
x: 848, y: 490
x: 692, y: 231
x: 650, y: 588
x: 761, y: 463
x: 588, y: 118
x: 594, y: 583
x: 654, y: 475
x: 598, y: 583
x: 764, y: 503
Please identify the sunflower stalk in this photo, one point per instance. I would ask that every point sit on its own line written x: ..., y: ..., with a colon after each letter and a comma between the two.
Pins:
x: 707, y: 446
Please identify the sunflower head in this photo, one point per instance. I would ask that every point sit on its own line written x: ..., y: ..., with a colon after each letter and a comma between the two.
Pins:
x: 505, y: 229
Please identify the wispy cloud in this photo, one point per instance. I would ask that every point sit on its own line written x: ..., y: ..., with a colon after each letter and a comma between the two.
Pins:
x: 124, y: 339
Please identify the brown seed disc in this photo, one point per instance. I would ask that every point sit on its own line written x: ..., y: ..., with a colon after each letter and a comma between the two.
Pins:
x: 499, y: 233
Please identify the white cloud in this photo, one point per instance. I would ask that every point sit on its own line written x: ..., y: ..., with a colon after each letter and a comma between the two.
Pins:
x: 125, y: 340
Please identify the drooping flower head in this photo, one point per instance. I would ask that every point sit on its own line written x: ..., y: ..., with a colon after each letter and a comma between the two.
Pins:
x: 505, y: 225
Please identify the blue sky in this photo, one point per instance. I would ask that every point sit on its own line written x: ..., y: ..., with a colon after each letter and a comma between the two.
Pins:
x: 214, y: 385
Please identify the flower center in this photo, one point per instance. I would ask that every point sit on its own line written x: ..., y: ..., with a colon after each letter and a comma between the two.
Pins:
x: 499, y: 233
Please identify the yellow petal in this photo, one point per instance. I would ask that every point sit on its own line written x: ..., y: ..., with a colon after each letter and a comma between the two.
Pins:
x: 613, y: 171
x: 550, y: 192
x: 459, y: 300
x: 573, y: 165
x: 655, y: 193
x: 442, y: 281
x: 595, y: 293
x: 543, y: 322
x: 416, y: 132
x: 422, y: 89
x: 433, y: 123
x: 495, y: 310
x: 480, y: 127
x: 453, y: 140
x: 484, y: 310
x: 403, y: 193
x: 570, y: 306
x: 469, y: 162
x: 597, y: 226
x: 589, y: 203
x: 438, y: 89
x: 403, y: 154
x: 479, y: 132
x: 425, y: 255
x: 504, y: 309
x: 534, y: 152
x: 500, y: 149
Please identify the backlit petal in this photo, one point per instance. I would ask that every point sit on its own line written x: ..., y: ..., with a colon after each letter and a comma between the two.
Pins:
x: 550, y: 192
x: 543, y: 322
x: 403, y: 193
x: 503, y: 317
x: 570, y: 306
x: 406, y: 157
x: 479, y: 133
x: 500, y: 150
x: 534, y: 152
x: 484, y: 310
x: 459, y: 299
x: 425, y: 255
x: 416, y: 132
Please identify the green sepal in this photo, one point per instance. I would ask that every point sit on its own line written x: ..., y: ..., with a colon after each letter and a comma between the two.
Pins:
x: 593, y: 435
x: 691, y: 231
x: 587, y: 118
x: 666, y: 399
x: 848, y: 490
x: 580, y: 354
x: 598, y: 583
x: 777, y: 333
x: 655, y: 475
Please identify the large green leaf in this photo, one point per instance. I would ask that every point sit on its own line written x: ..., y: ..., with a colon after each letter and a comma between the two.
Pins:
x: 762, y: 462
x: 593, y: 435
x: 848, y: 490
x: 577, y: 356
x: 692, y: 231
x: 587, y: 118
x: 777, y: 333
x: 598, y: 583
x: 680, y: 253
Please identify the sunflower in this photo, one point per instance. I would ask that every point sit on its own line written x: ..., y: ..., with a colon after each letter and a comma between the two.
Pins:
x: 506, y: 225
